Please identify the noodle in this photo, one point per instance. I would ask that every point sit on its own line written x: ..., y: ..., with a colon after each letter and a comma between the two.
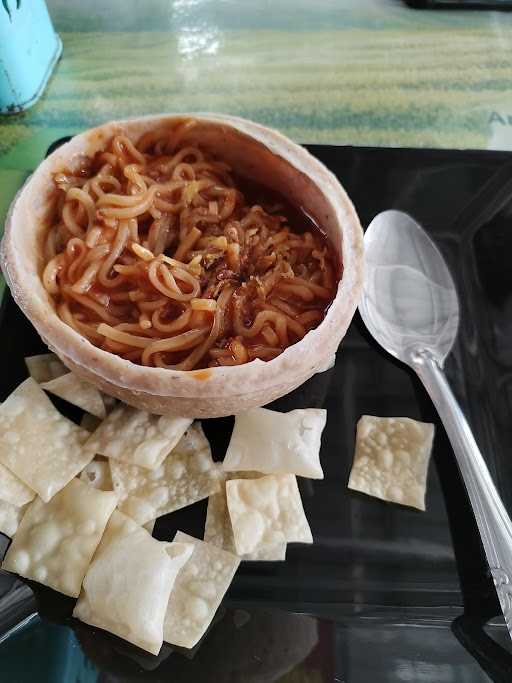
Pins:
x: 158, y: 254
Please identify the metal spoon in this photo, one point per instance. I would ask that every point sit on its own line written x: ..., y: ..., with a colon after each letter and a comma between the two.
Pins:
x: 410, y: 306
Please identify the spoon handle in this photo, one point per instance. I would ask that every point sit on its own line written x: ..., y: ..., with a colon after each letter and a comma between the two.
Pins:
x: 492, y: 519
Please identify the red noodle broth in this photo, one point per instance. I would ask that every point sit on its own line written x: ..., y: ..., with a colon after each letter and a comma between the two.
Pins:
x: 160, y: 254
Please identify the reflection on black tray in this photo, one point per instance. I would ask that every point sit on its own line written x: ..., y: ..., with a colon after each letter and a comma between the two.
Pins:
x: 379, y: 577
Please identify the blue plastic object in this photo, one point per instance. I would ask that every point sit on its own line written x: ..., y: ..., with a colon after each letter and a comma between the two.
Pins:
x: 29, y: 49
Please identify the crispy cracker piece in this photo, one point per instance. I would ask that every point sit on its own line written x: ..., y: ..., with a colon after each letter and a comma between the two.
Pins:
x: 97, y: 474
x: 198, y: 591
x: 219, y: 532
x: 38, y: 444
x: 187, y: 475
x: 45, y: 367
x: 149, y: 526
x: 10, y: 518
x: 265, y: 512
x: 78, y: 392
x: 277, y: 443
x: 217, y: 528
x: 13, y: 490
x: 127, y: 586
x: 391, y: 459
x: 55, y: 541
x: 136, y: 437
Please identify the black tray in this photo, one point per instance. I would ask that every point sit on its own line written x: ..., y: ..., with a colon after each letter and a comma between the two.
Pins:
x: 386, y: 593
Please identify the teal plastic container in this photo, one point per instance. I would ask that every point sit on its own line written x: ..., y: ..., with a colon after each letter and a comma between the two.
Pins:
x: 29, y: 49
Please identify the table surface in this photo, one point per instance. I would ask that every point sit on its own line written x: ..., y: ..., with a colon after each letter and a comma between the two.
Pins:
x: 363, y: 72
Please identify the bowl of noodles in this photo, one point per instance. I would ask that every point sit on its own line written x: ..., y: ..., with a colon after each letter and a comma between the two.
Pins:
x: 196, y: 265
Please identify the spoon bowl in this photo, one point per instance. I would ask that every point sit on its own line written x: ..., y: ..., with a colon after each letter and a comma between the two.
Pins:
x: 410, y: 302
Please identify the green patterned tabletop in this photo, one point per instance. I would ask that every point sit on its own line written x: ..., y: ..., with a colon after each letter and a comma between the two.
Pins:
x: 363, y: 72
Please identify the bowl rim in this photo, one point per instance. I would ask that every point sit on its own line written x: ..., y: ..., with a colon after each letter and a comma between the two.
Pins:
x: 231, y: 380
